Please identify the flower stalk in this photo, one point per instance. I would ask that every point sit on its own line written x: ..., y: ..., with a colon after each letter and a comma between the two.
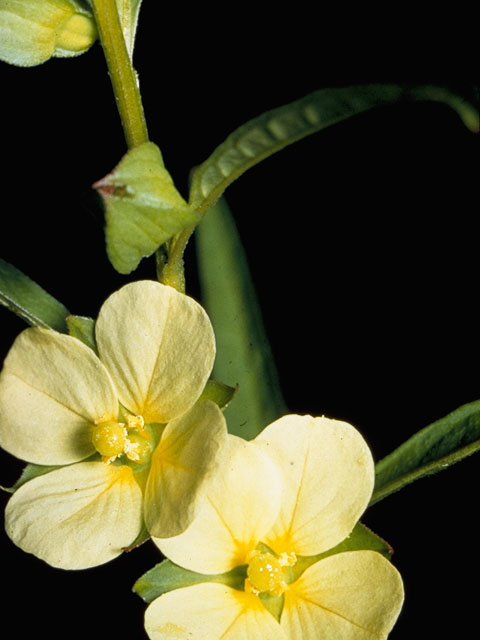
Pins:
x: 122, y: 73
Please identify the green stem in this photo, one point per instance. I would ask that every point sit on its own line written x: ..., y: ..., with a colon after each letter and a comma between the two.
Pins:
x: 122, y: 73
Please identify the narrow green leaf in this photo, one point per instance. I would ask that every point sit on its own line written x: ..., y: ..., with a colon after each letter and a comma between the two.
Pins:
x: 83, y: 328
x: 243, y: 353
x: 143, y: 207
x: 167, y: 576
x: 219, y: 393
x: 275, y: 129
x: 430, y: 450
x: 28, y: 300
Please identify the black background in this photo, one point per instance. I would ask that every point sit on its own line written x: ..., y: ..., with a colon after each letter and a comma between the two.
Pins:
x: 362, y: 241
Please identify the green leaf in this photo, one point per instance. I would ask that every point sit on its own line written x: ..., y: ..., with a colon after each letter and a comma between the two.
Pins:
x: 219, y: 393
x: 244, y: 356
x: 143, y: 208
x: 275, y: 129
x: 430, y: 450
x: 167, y: 576
x: 27, y: 299
x: 31, y: 32
x: 83, y: 329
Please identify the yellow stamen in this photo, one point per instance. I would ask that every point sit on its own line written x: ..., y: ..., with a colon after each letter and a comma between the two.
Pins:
x: 109, y: 439
x: 268, y: 573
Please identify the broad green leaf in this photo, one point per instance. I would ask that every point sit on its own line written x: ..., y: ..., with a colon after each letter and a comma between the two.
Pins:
x: 167, y: 576
x: 83, y: 329
x: 28, y: 300
x: 244, y: 356
x: 32, y: 31
x: 219, y: 393
x: 275, y: 129
x: 430, y: 450
x: 143, y: 208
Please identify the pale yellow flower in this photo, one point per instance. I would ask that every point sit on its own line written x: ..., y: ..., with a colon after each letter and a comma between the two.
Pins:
x: 294, y: 492
x: 32, y: 31
x: 135, y: 442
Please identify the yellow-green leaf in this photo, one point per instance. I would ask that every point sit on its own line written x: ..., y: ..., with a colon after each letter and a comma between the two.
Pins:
x: 143, y: 209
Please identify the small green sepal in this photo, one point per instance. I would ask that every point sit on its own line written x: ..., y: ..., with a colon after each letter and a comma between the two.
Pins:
x: 82, y: 328
x: 168, y: 576
x: 219, y: 393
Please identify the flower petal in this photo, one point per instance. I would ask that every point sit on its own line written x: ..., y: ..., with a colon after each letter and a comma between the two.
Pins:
x: 52, y: 388
x: 76, y: 517
x: 356, y: 595
x: 210, y: 611
x: 242, y: 505
x: 183, y: 465
x: 329, y: 476
x: 159, y: 347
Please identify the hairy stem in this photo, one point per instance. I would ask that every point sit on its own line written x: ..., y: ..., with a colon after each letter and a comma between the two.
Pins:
x: 122, y: 73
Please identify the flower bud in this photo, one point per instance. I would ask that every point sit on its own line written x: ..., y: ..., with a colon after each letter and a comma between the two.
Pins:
x: 32, y: 31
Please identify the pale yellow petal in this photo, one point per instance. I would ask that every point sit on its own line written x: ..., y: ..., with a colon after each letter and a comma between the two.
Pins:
x: 210, y: 612
x: 355, y: 595
x: 242, y: 505
x: 76, y: 517
x: 159, y: 347
x: 183, y: 465
x: 329, y: 476
x: 52, y: 388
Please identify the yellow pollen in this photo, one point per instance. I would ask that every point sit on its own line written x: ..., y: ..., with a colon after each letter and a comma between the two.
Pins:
x: 109, y: 439
x: 113, y: 439
x: 268, y: 573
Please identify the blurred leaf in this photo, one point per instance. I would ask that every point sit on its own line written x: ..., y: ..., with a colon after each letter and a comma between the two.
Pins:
x: 82, y: 328
x: 275, y: 129
x: 430, y: 450
x: 167, y: 576
x: 28, y: 300
x: 244, y: 356
x: 143, y: 208
x: 31, y: 31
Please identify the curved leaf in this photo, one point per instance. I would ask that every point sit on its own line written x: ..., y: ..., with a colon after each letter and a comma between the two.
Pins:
x: 143, y: 207
x: 432, y: 449
x: 28, y: 300
x: 275, y: 129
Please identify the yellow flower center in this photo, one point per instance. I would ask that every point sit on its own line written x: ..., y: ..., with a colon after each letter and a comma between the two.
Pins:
x: 113, y: 439
x: 268, y: 573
